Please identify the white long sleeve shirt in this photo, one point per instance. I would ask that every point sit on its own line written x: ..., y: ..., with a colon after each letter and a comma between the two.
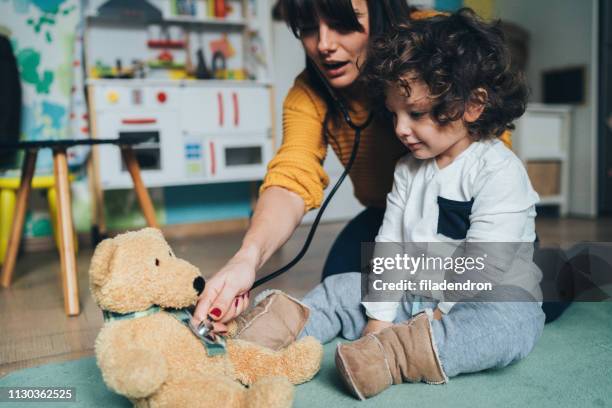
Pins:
x: 503, y: 208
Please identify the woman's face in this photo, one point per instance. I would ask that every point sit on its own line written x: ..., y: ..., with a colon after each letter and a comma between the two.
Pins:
x: 338, y: 54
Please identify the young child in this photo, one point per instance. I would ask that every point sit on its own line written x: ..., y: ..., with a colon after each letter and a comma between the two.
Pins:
x: 448, y: 84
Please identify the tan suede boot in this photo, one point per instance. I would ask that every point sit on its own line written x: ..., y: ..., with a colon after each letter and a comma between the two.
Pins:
x: 274, y: 322
x: 401, y: 353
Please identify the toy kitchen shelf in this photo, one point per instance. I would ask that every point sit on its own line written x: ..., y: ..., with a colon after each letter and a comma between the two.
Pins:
x: 541, y: 140
x: 176, y: 20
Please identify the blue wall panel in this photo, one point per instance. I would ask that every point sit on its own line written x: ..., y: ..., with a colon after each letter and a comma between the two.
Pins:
x: 448, y: 5
x: 210, y: 202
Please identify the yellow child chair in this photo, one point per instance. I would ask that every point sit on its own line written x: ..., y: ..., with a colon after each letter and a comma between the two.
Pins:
x: 8, y: 196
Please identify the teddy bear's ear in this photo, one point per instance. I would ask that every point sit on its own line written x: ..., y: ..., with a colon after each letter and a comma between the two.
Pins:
x: 99, y: 270
x: 153, y: 232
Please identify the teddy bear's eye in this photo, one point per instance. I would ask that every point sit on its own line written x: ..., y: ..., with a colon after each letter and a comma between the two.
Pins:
x: 170, y: 253
x: 156, y: 262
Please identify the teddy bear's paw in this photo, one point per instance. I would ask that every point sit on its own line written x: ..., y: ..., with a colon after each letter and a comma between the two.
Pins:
x: 271, y: 392
x: 298, y: 362
x: 139, y: 373
x: 304, y: 357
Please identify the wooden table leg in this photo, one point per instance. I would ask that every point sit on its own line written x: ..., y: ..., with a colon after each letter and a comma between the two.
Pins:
x: 141, y: 191
x: 70, y: 283
x: 27, y: 172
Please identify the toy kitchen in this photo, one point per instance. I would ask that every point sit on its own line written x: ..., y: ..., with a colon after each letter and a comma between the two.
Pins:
x: 192, y: 134
x: 206, y: 124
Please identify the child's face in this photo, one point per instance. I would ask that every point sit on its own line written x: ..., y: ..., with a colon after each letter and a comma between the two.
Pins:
x: 416, y: 129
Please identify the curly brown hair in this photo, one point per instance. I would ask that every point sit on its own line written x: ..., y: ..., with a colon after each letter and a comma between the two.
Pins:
x: 462, y: 60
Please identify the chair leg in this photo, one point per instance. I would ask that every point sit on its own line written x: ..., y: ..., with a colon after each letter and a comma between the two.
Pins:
x: 52, y: 202
x: 7, y: 210
x: 27, y: 172
x: 65, y: 227
x: 141, y: 191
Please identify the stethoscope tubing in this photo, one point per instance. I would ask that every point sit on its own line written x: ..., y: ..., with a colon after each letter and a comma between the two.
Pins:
x: 358, y: 129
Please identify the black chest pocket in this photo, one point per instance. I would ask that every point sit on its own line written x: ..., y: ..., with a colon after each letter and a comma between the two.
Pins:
x: 454, y: 217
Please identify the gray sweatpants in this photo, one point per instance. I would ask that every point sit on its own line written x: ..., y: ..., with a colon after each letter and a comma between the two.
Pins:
x: 473, y: 336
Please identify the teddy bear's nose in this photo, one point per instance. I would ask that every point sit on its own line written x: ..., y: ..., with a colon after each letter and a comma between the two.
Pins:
x: 198, y: 284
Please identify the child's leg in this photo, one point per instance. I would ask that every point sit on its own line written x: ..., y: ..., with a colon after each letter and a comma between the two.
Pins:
x: 331, y: 308
x: 335, y: 308
x: 404, y: 352
x: 275, y: 320
x: 472, y: 337
x: 481, y: 335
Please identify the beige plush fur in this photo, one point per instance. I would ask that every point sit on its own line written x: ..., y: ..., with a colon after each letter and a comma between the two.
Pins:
x: 156, y: 361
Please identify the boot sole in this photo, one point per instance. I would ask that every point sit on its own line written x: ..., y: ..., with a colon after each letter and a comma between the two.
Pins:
x: 345, y: 375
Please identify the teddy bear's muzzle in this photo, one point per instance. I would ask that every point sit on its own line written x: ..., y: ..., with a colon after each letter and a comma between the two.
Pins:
x: 198, y: 284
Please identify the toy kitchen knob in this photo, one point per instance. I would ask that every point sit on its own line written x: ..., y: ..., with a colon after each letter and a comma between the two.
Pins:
x: 162, y: 97
x: 112, y: 96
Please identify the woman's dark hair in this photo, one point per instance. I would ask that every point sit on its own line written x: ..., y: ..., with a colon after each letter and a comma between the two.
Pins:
x: 384, y: 15
x: 456, y: 56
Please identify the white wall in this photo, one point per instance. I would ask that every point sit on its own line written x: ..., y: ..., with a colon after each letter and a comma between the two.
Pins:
x: 289, y: 61
x: 564, y: 34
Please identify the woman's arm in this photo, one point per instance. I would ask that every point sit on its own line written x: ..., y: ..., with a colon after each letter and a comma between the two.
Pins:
x: 293, y: 184
x: 277, y: 214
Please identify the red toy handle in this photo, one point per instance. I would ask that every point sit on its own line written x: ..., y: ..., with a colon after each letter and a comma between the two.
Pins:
x: 236, y: 109
x: 139, y: 121
x: 220, y: 103
x: 213, y: 162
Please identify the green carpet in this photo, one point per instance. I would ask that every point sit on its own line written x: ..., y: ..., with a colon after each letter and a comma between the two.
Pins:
x: 570, y: 367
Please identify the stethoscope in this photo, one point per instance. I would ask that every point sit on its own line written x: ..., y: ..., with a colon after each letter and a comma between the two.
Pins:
x: 358, y: 129
x: 205, y: 328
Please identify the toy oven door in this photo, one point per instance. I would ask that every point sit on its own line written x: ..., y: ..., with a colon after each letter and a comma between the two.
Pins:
x: 234, y: 157
x: 154, y: 152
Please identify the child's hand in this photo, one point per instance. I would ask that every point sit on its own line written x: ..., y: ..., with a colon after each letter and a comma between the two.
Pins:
x: 374, y: 326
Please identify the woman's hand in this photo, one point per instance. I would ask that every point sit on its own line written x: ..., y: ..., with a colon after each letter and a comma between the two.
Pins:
x: 374, y: 326
x: 277, y: 213
x: 226, y: 294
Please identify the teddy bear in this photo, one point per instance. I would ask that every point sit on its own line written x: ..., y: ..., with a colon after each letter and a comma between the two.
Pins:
x: 153, y: 358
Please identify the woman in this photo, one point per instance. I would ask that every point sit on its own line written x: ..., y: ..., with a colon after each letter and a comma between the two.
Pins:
x: 335, y: 35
